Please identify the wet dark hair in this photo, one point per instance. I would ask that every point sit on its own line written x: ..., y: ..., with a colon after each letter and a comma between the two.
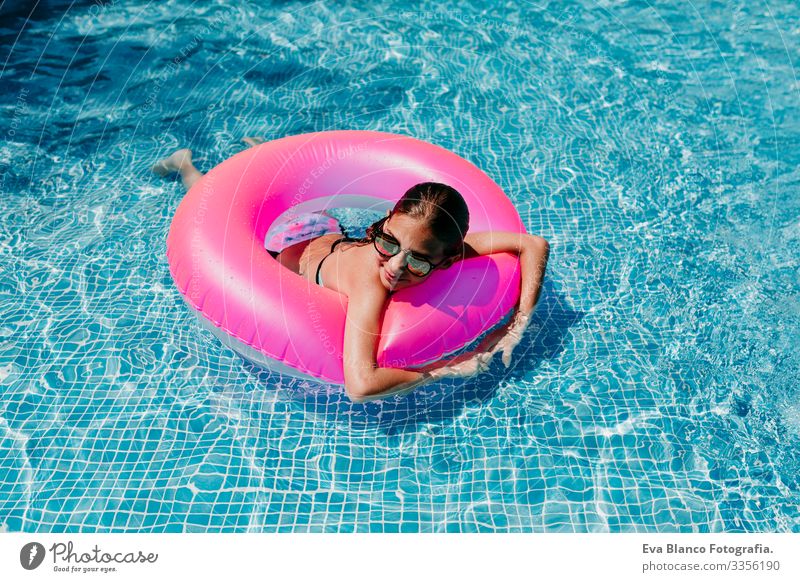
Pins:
x: 439, y: 206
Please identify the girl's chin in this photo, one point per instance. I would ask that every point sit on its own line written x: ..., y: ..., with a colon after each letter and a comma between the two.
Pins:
x: 391, y: 284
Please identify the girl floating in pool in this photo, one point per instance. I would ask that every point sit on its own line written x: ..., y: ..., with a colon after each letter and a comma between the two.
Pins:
x: 426, y: 230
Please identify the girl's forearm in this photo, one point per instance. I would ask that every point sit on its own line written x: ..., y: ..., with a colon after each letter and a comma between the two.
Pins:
x: 384, y: 382
x: 533, y: 262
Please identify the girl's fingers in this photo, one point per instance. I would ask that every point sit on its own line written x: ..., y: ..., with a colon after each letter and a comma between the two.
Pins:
x: 507, y: 356
x: 476, y: 365
x: 491, y: 340
x: 507, y: 348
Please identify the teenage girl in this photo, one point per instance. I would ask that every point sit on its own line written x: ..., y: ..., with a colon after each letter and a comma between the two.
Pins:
x: 426, y: 230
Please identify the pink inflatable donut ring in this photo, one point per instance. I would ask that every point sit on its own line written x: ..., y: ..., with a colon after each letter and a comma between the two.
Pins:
x: 278, y: 319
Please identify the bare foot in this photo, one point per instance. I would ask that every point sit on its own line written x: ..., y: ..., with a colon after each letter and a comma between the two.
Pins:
x: 173, y: 163
x: 253, y: 141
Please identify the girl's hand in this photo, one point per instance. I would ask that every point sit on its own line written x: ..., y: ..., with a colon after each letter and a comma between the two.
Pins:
x: 502, y: 340
x: 505, y: 338
x: 463, y: 366
x: 533, y: 252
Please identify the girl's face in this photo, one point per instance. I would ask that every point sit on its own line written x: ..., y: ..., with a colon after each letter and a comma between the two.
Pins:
x: 415, y: 237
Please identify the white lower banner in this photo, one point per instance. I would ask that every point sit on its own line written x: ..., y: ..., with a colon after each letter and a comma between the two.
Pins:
x: 388, y: 557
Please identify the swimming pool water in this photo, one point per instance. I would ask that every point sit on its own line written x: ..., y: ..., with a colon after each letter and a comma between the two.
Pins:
x: 655, y: 145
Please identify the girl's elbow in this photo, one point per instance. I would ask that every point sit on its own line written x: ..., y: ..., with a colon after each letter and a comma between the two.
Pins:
x: 540, y: 248
x: 356, y: 396
x: 358, y: 391
x: 540, y: 242
x: 359, y: 382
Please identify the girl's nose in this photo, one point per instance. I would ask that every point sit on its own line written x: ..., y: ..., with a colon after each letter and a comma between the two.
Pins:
x: 399, y: 261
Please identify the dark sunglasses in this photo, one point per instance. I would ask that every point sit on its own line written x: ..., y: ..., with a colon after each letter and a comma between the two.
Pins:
x: 388, y: 247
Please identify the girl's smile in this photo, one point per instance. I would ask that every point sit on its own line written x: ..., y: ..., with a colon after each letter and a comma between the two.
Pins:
x: 389, y: 279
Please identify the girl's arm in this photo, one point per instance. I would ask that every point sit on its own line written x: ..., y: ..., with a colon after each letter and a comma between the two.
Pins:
x: 364, y: 380
x: 533, y: 254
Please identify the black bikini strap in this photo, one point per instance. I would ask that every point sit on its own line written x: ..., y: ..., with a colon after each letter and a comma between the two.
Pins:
x: 345, y: 238
x: 333, y: 246
x: 319, y: 267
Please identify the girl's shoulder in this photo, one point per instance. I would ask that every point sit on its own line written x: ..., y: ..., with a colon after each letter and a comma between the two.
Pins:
x: 355, y: 275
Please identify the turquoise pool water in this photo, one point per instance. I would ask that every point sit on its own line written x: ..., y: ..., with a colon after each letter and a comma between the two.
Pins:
x: 656, y: 147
